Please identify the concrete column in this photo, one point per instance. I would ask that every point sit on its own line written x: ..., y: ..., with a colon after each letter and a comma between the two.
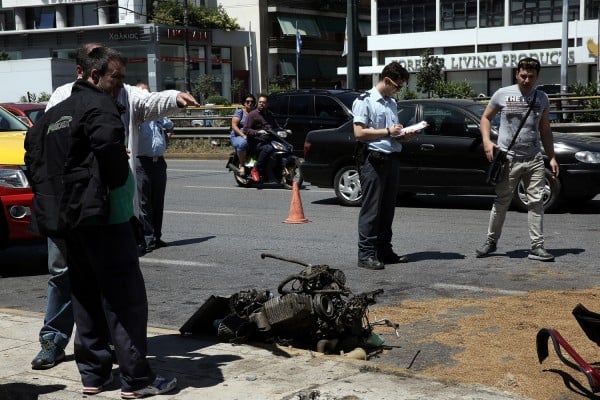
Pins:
x: 20, y: 23
x: 102, y: 15
x: 61, y: 16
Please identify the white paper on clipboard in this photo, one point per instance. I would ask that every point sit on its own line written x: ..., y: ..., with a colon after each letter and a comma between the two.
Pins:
x: 413, y: 128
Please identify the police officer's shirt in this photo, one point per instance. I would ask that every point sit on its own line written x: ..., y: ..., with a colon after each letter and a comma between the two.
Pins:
x: 513, y: 106
x: 375, y: 111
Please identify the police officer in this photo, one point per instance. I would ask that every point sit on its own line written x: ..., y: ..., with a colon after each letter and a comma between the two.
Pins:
x: 376, y: 127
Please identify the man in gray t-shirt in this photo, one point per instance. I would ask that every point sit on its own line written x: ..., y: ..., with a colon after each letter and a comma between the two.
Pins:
x: 525, y: 160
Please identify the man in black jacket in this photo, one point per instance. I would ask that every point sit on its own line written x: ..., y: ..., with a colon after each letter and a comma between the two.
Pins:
x: 257, y: 123
x: 83, y: 191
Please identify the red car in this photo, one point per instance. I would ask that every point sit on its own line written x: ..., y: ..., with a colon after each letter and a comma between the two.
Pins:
x: 26, y: 112
x: 15, y: 193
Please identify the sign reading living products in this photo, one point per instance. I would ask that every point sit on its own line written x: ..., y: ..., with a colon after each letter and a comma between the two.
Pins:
x: 492, y: 60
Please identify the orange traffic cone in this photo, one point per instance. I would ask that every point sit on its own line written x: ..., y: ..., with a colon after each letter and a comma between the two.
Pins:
x: 296, y: 212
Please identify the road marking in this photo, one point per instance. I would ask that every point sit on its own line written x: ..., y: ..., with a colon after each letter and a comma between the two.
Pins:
x: 201, y: 213
x: 196, y: 170
x: 215, y: 187
x: 275, y: 190
x: 478, y: 289
x: 145, y: 260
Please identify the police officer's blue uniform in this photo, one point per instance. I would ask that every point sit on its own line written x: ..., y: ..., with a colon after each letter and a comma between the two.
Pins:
x: 379, y: 177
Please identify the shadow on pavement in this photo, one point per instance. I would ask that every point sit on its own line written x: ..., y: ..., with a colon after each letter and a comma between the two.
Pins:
x: 26, y: 391
x: 176, y: 353
x: 24, y: 260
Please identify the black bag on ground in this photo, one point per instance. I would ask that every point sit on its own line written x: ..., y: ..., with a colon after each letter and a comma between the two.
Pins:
x: 496, y: 168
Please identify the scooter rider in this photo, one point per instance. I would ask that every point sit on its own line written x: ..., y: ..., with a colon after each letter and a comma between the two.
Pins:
x: 258, y: 122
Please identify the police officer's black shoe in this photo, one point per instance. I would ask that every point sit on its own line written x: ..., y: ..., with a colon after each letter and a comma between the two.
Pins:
x: 370, y: 263
x: 392, y: 258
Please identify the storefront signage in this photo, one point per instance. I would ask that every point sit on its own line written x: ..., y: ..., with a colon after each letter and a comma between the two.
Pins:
x: 491, y: 60
x: 194, y: 35
x: 26, y: 3
x: 119, y: 36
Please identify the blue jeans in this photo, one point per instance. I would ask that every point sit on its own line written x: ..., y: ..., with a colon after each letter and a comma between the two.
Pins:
x: 58, y: 321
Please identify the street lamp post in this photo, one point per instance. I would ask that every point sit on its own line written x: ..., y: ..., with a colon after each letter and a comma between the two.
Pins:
x: 186, y: 49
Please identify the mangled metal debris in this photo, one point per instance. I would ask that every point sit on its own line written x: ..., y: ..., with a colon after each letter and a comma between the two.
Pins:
x: 314, y: 309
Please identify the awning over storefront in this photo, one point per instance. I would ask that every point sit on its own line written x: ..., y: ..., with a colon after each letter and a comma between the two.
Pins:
x: 287, y: 68
x: 307, y: 26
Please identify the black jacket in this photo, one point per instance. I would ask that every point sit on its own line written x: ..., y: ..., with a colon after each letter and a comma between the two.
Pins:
x: 75, y: 154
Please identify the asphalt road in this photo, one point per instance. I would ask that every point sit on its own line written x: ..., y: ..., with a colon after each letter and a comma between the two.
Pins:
x: 217, y: 232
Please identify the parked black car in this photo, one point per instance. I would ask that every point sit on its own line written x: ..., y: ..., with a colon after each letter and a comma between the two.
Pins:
x: 447, y: 157
x: 303, y: 111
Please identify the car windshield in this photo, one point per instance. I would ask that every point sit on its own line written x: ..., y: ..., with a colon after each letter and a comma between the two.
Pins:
x: 9, y: 122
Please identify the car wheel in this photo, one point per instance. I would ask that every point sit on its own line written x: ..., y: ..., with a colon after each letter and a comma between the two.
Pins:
x: 346, y: 184
x: 551, y: 196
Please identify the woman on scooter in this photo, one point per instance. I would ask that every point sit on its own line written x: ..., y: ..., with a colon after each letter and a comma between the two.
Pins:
x: 237, y: 135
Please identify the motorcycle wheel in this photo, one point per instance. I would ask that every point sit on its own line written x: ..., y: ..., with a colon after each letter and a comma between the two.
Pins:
x: 291, y: 173
x: 243, y: 181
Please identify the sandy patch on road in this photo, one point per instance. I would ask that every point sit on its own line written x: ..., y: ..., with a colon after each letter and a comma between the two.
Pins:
x: 496, y: 340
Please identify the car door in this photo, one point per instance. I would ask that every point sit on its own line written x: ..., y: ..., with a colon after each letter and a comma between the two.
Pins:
x: 449, y: 153
x: 409, y: 166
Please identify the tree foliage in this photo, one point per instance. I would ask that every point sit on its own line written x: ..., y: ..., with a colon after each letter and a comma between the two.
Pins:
x: 35, y: 98
x: 280, y: 83
x: 171, y: 13
x: 581, y: 90
x: 205, y: 87
x: 431, y: 72
x: 460, y: 90
x: 4, y: 56
x: 238, y: 90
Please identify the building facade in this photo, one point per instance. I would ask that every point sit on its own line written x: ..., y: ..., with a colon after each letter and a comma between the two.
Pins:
x: 42, y: 30
x: 481, y: 41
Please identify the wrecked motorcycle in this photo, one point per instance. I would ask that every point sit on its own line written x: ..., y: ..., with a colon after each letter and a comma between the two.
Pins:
x: 589, y: 322
x: 282, y: 167
x: 314, y: 310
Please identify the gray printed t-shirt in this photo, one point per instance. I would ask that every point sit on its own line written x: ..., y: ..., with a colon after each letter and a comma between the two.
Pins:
x: 512, y: 106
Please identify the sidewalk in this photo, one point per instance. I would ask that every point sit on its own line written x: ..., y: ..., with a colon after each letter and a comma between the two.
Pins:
x: 214, y: 371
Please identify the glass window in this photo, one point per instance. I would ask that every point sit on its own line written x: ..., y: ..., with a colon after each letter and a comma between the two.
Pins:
x: 7, y: 20
x: 407, y: 114
x: 458, y: 14
x: 303, y: 105
x: 82, y: 15
x: 279, y: 104
x: 540, y: 11
x: 404, y: 16
x: 328, y: 107
x: 444, y: 121
x: 591, y: 10
x: 39, y: 17
x: 491, y: 13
